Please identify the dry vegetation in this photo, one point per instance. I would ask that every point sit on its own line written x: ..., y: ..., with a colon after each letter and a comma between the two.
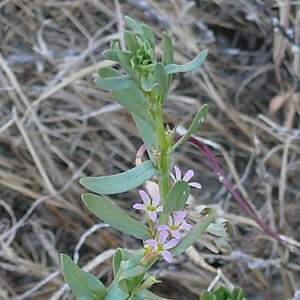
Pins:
x: 57, y: 126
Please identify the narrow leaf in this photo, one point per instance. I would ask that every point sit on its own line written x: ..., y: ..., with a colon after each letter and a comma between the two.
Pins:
x: 108, y: 72
x: 192, y: 236
x: 115, y: 217
x: 199, y: 118
x: 125, y: 60
x: 83, y: 284
x: 147, y: 132
x: 160, y: 77
x: 238, y: 294
x: 127, y: 99
x: 190, y: 66
x: 131, y: 42
x: 176, y: 197
x: 122, y: 182
x: 147, y: 295
x: 148, y: 83
x: 148, y: 35
x: 168, y: 50
x: 133, y: 25
x: 115, y: 83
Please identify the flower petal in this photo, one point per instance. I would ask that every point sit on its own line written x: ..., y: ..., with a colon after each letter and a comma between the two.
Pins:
x: 163, y: 237
x: 171, y: 244
x: 195, y: 185
x: 159, y: 209
x: 185, y: 227
x: 139, y: 206
x: 145, y: 197
x: 163, y: 227
x: 188, y: 175
x: 178, y: 173
x: 173, y: 177
x: 152, y: 243
x: 167, y: 256
x: 176, y: 234
x: 152, y: 215
x: 156, y: 200
x: 179, y: 217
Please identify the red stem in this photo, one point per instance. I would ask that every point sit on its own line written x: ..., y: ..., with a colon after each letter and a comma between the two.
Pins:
x: 236, y: 196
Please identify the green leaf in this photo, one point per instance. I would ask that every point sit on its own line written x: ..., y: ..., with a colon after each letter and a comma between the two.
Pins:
x: 84, y: 285
x: 125, y: 60
x: 129, y: 276
x: 192, y: 236
x: 117, y: 259
x: 168, y: 50
x: 207, y: 296
x: 133, y: 25
x: 115, y: 217
x: 111, y: 54
x: 177, y: 197
x: 199, y: 118
x: 115, y: 83
x: 147, y: 295
x: 147, y: 33
x: 160, y: 77
x: 148, y: 83
x: 122, y: 182
x: 147, y: 132
x: 190, y: 66
x: 127, y: 99
x: 131, y: 42
x: 238, y: 294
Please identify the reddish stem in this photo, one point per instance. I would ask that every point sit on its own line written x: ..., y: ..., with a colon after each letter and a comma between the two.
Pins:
x: 236, y: 196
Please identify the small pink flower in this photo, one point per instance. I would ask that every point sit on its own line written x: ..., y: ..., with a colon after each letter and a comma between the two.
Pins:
x: 150, y: 207
x: 162, y: 245
x: 176, y: 224
x: 187, y: 176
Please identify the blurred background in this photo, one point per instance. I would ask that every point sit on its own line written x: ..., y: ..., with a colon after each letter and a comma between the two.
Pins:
x: 57, y: 126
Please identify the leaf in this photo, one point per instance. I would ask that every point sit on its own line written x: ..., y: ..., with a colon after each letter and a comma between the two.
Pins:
x: 129, y: 276
x: 147, y: 132
x: 115, y: 217
x: 207, y: 296
x: 122, y: 182
x: 177, y: 197
x: 84, y: 285
x: 115, y: 83
x: 147, y: 295
x: 190, y: 66
x: 216, y: 229
x: 238, y: 294
x: 133, y: 25
x: 148, y: 83
x: 117, y: 259
x: 125, y: 60
x: 147, y: 33
x: 192, y: 236
x: 127, y: 99
x: 168, y: 50
x: 160, y: 77
x: 131, y: 42
x: 111, y: 54
x: 199, y: 118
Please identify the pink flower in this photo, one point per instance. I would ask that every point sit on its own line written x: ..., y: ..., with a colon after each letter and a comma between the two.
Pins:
x: 176, y: 224
x: 187, y: 176
x: 150, y: 207
x: 162, y: 245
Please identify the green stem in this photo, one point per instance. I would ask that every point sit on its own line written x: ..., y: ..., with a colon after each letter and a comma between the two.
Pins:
x: 163, y: 180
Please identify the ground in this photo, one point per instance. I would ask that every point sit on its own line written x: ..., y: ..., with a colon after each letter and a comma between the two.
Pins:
x: 57, y: 126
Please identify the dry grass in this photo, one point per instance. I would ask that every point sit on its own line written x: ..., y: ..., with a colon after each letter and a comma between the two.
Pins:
x: 57, y: 126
